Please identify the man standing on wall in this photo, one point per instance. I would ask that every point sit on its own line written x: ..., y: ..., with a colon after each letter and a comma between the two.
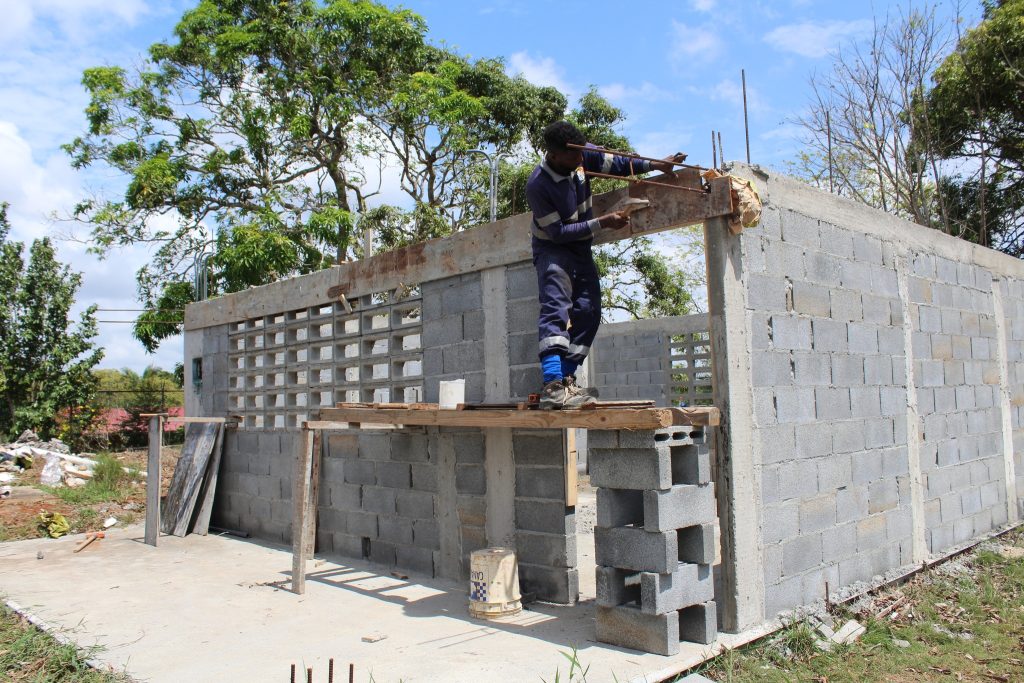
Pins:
x: 563, y: 230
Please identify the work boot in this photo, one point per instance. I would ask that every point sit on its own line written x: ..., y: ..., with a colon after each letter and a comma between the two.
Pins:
x: 574, y: 388
x: 556, y: 396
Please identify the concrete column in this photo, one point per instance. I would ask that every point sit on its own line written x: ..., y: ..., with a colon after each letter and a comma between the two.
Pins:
x: 738, y: 483
x: 1005, y: 415
x: 919, y: 547
x: 499, y: 464
x: 193, y: 343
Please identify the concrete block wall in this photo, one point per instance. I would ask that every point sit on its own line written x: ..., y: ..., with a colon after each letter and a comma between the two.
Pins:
x: 254, y: 485
x: 1011, y: 301
x: 829, y: 396
x: 654, y: 539
x: 883, y: 361
x: 956, y: 372
x: 521, y: 314
x: 545, y: 528
x: 453, y: 335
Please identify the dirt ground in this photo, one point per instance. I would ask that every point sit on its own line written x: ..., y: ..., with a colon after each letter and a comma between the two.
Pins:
x: 18, y: 513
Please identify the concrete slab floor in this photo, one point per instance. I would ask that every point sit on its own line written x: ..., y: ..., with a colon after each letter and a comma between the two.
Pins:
x: 214, y: 609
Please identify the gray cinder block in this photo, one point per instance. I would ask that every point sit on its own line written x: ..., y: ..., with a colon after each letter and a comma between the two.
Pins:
x: 360, y: 471
x: 696, y: 544
x: 680, y: 506
x: 395, y: 530
x: 540, y: 482
x: 343, y: 496
x: 691, y: 463
x: 629, y: 627
x: 550, y: 550
x: 471, y: 479
x: 362, y: 524
x: 380, y: 500
x: 699, y: 623
x: 425, y: 533
x: 424, y: 477
x: 410, y: 448
x: 418, y: 504
x: 689, y: 584
x: 620, y: 507
x: 552, y: 584
x: 647, y: 468
x: 548, y: 516
x: 395, y: 475
x: 382, y: 552
x: 419, y: 560
x: 538, y: 449
x: 636, y: 549
x: 375, y: 446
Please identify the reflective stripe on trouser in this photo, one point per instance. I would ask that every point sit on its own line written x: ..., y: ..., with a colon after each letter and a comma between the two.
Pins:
x: 570, y: 290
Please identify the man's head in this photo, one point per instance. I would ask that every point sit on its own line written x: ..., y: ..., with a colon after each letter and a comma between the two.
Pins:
x: 557, y: 138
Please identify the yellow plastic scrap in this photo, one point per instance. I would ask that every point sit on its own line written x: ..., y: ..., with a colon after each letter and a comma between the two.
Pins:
x: 53, y: 524
x: 745, y: 198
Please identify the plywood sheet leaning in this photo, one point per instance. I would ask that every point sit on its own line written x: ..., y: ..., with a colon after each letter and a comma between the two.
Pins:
x: 209, y: 488
x: 188, y: 476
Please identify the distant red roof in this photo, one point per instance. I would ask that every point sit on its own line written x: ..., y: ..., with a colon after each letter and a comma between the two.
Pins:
x: 113, y: 419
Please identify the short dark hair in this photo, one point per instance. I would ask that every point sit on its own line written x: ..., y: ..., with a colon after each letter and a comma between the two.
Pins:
x: 560, y: 134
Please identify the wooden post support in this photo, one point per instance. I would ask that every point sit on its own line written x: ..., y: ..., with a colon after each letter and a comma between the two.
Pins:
x: 156, y: 433
x: 300, y: 498
x: 314, y: 495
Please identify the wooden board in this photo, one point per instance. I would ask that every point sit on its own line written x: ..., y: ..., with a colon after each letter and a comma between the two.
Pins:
x: 301, y: 489
x: 156, y: 431
x: 612, y: 418
x: 201, y: 525
x: 188, y: 475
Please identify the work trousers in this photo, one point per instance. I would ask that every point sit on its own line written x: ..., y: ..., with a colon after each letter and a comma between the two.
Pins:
x: 570, y: 301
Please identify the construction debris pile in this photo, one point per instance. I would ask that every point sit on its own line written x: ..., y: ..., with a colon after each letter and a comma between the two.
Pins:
x: 60, y: 466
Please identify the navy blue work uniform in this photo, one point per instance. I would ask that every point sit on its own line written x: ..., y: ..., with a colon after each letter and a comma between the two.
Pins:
x: 563, y: 229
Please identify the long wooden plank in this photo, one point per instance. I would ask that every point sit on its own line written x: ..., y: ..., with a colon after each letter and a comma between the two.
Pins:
x: 300, y: 509
x: 621, y: 418
x: 482, y: 247
x: 201, y: 525
x: 156, y: 431
x: 188, y: 474
x: 314, y: 495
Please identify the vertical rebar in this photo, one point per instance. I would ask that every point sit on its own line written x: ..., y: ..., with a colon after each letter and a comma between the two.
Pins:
x: 293, y: 674
x: 714, y: 151
x: 721, y: 150
x: 351, y: 673
x: 309, y: 675
x: 330, y: 670
x: 828, y: 134
x: 746, y: 125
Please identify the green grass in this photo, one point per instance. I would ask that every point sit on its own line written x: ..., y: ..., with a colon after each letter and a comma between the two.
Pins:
x: 28, y: 654
x: 968, y: 625
x: 109, y: 483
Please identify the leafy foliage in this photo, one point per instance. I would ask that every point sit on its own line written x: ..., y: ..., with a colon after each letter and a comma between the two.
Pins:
x: 976, y: 109
x: 45, y: 358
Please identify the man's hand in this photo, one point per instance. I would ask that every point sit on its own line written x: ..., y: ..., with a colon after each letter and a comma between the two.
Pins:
x: 666, y: 166
x: 614, y: 221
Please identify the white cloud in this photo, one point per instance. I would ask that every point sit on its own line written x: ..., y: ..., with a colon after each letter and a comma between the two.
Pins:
x: 703, y: 5
x: 731, y: 91
x: 816, y: 39
x: 693, y: 43
x: 75, y: 19
x: 628, y: 95
x: 540, y: 71
x: 661, y: 143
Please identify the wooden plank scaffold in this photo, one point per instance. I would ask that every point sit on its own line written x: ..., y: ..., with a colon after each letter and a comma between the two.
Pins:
x: 306, y: 481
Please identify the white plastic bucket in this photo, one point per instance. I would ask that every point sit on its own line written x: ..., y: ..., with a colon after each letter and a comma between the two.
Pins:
x: 494, y: 583
x: 453, y: 392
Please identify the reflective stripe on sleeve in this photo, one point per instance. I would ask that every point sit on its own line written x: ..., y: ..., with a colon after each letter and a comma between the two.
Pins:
x: 607, y: 164
x: 547, y: 220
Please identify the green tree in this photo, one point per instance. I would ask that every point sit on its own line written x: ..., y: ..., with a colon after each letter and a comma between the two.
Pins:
x: 45, y: 359
x: 252, y: 121
x: 976, y: 111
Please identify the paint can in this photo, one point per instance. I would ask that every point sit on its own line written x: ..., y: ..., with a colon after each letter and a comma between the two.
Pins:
x: 452, y: 393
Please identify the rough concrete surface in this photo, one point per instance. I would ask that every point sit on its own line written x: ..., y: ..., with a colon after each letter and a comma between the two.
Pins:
x: 211, y: 608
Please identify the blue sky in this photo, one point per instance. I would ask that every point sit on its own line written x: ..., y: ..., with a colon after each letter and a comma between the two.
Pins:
x: 673, y: 67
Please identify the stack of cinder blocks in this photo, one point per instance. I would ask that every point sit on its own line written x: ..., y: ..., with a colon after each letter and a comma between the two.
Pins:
x: 654, y: 539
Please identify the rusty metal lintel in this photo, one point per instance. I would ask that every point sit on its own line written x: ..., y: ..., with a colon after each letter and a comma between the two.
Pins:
x: 644, y: 182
